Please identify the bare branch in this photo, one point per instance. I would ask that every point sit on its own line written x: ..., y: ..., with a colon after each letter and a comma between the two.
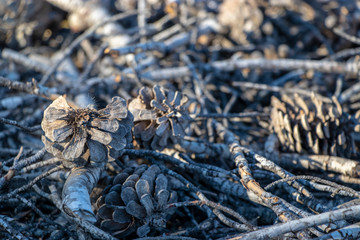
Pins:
x: 31, y: 88
x: 346, y: 36
x: 265, y: 87
x: 14, y: 233
x: 212, y: 205
x: 20, y: 164
x: 351, y: 232
x: 336, y: 164
x: 76, y: 192
x: 201, y: 196
x: 350, y: 68
x: 93, y: 230
x: 5, y: 197
x: 312, y: 178
x: 248, y: 181
x: 16, y: 124
x: 149, y: 154
x: 301, y: 224
x: 228, y: 115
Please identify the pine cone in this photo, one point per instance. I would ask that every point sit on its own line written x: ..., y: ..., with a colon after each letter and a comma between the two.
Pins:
x: 135, y: 200
x: 159, y: 116
x: 82, y: 136
x: 312, y: 126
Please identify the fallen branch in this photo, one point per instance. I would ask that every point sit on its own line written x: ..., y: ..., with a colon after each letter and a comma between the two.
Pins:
x: 31, y: 88
x: 210, y: 204
x: 298, y: 225
x: 312, y: 178
x: 76, y: 192
x: 350, y: 232
x: 5, y: 197
x: 247, y: 179
x: 351, y: 68
x: 16, y: 124
x: 201, y: 196
x: 94, y: 231
x: 340, y: 165
x: 17, y: 165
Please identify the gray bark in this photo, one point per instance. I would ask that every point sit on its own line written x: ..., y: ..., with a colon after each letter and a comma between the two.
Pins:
x: 76, y: 192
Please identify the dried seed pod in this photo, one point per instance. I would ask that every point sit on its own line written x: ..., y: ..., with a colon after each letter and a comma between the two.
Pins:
x: 308, y: 125
x: 82, y: 136
x: 136, y: 203
x: 159, y: 116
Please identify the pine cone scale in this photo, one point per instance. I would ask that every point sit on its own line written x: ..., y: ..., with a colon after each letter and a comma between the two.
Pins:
x: 106, y: 124
x: 61, y: 134
x: 75, y: 147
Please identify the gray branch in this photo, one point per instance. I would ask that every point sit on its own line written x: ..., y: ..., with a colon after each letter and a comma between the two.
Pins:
x: 76, y: 192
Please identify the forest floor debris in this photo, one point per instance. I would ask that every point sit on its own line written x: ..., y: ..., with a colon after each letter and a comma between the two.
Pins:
x: 151, y: 119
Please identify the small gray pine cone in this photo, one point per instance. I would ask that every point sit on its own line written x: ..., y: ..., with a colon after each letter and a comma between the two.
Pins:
x: 159, y: 116
x: 312, y: 126
x: 135, y: 200
x: 84, y: 135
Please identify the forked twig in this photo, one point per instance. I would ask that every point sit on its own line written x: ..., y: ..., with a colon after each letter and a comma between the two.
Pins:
x: 201, y: 196
x: 5, y: 197
x: 29, y: 87
x: 248, y: 181
x: 212, y: 205
x: 20, y: 164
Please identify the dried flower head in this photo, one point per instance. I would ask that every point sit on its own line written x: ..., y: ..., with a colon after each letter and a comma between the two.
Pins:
x: 159, y: 116
x: 81, y: 136
x: 312, y: 126
x: 135, y: 200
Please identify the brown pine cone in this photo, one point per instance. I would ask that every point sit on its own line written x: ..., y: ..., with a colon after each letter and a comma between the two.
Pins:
x: 159, y: 116
x: 312, y: 126
x: 135, y: 200
x: 82, y: 136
